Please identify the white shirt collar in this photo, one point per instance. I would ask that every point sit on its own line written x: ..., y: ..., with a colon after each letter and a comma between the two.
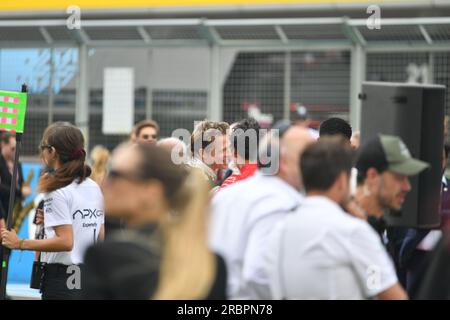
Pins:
x: 323, y: 201
x: 276, y: 180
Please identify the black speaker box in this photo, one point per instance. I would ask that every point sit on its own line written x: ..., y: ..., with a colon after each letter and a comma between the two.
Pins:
x: 415, y: 113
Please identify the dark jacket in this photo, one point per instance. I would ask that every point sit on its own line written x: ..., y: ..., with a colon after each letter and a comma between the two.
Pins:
x: 5, y: 184
x: 126, y: 266
x: 436, y: 276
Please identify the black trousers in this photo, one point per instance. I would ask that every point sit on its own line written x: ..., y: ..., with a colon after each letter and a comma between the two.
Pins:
x: 1, y: 258
x: 58, y: 283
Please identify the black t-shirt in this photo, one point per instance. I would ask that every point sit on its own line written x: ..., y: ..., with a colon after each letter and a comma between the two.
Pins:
x: 378, y: 224
x: 123, y: 267
x: 436, y: 274
x: 5, y: 184
x: 126, y: 267
x: 219, y: 288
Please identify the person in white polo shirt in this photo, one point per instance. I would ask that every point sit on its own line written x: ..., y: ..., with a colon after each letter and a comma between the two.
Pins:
x: 243, y: 214
x: 321, y: 251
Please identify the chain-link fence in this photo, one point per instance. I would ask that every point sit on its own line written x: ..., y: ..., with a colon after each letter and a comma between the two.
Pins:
x: 319, y: 80
x: 410, y: 67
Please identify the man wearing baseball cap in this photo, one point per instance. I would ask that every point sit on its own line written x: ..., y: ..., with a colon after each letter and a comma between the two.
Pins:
x: 384, y: 166
x: 300, y: 117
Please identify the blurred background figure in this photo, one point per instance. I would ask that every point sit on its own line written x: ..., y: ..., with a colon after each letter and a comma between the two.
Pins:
x: 99, y: 160
x: 3, y: 214
x: 145, y: 131
x: 300, y: 117
x: 335, y: 126
x: 100, y: 157
x: 445, y: 196
x: 418, y: 245
x: 320, y: 251
x: 210, y: 148
x: 446, y: 129
x: 356, y: 140
x: 163, y: 253
x: 244, y: 214
x: 245, y: 141
x: 174, y: 146
x: 8, y: 149
x: 436, y: 277
x: 432, y: 271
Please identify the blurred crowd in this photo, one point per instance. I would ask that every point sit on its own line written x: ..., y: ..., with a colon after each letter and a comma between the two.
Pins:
x: 233, y: 212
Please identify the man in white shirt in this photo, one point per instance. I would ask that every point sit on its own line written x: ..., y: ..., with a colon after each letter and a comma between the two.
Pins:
x: 321, y: 251
x: 244, y: 214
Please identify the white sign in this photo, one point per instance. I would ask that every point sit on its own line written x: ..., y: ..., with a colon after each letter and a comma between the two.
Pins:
x: 118, y: 100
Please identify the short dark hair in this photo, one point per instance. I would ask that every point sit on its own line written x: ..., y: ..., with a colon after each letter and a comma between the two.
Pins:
x: 370, y: 155
x: 5, y: 137
x: 446, y: 149
x: 335, y: 126
x: 241, y: 130
x: 322, y: 162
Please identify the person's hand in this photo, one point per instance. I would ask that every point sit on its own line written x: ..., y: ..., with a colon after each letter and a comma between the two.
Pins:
x: 10, y: 239
x: 355, y: 210
x: 39, y: 216
x: 26, y: 191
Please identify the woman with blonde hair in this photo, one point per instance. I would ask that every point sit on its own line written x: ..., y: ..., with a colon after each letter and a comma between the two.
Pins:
x: 99, y: 160
x: 163, y: 254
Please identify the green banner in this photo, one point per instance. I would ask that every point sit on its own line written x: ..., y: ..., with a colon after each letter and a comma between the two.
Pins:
x: 13, y: 106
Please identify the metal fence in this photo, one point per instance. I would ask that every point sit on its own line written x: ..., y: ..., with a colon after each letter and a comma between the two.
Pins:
x: 276, y: 64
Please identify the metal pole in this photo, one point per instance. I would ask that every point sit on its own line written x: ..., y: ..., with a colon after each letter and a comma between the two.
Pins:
x: 287, y: 84
x: 82, y: 97
x: 357, y: 76
x: 430, y: 75
x: 215, y: 107
x: 149, y: 95
x: 9, y: 219
x: 51, y: 103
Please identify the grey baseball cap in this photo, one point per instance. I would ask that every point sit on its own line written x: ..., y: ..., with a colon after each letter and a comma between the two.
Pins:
x: 385, y: 152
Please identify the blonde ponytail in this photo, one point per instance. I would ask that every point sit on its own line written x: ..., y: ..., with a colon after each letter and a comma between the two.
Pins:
x: 188, y: 267
x: 99, y: 157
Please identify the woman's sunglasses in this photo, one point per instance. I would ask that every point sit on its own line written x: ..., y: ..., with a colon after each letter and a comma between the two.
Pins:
x: 45, y: 146
x: 115, y: 174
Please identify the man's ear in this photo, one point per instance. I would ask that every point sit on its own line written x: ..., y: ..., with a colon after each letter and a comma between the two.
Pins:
x: 372, y: 176
x: 282, y: 161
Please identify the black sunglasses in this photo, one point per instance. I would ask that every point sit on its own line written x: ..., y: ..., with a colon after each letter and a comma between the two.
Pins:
x: 148, y: 136
x: 45, y: 146
x: 116, y: 174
